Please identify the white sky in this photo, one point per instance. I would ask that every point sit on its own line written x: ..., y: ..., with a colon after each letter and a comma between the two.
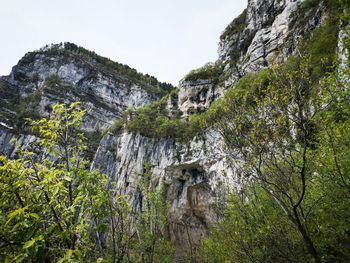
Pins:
x: 165, y: 38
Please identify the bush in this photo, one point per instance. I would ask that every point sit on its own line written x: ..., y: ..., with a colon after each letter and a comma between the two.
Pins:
x: 208, y: 72
x: 154, y: 121
x: 117, y: 126
x: 320, y: 46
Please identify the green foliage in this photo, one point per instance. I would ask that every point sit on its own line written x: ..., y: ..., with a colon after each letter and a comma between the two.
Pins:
x: 54, y: 208
x: 321, y: 47
x: 292, y: 131
x: 210, y: 72
x: 309, y: 4
x: 93, y: 139
x: 253, y: 229
x: 285, y: 216
x: 117, y: 126
x: 155, y: 121
x: 27, y: 108
x: 50, y: 200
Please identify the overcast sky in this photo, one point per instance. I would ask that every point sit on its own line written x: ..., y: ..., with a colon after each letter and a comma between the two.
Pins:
x: 165, y: 38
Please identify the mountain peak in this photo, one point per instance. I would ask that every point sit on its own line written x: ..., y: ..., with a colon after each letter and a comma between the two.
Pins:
x: 66, y: 52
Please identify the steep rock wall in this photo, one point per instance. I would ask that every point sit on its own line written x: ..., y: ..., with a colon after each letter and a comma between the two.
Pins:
x: 193, y: 175
x: 267, y: 32
x: 196, y: 175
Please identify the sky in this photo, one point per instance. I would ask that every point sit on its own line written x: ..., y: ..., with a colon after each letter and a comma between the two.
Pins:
x: 164, y: 38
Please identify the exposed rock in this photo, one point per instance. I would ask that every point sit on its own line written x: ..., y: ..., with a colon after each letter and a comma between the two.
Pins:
x: 192, y: 175
x: 56, y: 74
x: 344, y: 52
x: 267, y: 32
x: 196, y: 96
x: 270, y: 33
x: 265, y: 45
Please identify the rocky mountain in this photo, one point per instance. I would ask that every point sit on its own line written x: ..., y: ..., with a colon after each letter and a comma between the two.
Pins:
x: 196, y: 172
x: 64, y: 73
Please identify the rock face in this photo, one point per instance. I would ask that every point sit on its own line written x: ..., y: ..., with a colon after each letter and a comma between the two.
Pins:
x: 192, y: 174
x: 267, y: 32
x: 195, y: 174
x: 196, y: 96
x: 67, y: 73
x: 272, y: 32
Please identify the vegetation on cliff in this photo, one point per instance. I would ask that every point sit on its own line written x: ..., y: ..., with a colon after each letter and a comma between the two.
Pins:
x: 318, y: 49
x: 292, y: 135
x: 210, y: 71
x: 290, y: 125
x: 155, y: 121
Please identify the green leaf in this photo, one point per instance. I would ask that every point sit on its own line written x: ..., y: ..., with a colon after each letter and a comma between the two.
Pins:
x: 67, y: 178
x: 13, y: 214
x: 36, y: 216
x: 29, y: 243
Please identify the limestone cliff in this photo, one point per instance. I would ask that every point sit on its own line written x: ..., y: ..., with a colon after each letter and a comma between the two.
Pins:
x: 267, y: 32
x: 65, y: 73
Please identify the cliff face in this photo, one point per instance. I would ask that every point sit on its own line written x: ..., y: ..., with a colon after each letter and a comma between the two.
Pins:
x: 65, y: 73
x: 191, y: 173
x: 196, y: 174
x: 267, y: 32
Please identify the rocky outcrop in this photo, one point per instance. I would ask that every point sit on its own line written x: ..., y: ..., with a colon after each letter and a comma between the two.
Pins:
x: 196, y: 96
x: 192, y: 175
x: 265, y: 45
x: 344, y: 52
x: 267, y: 32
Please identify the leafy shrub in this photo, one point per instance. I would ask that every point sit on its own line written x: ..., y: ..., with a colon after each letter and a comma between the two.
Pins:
x: 155, y: 121
x: 117, y: 126
x: 209, y: 71
x: 320, y: 46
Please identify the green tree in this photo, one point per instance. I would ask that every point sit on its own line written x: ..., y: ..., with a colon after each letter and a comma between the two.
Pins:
x: 253, y: 229
x: 292, y: 133
x: 51, y: 203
